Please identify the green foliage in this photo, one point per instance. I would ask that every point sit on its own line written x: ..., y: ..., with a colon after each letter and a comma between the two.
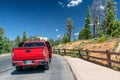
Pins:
x: 5, y: 43
x: 101, y: 39
x: 51, y: 42
x: 69, y: 27
x: 110, y: 18
x: 115, y: 25
x: 110, y: 5
x: 1, y: 44
x: 86, y: 33
x: 24, y: 37
x: 17, y: 41
x: 66, y: 38
x: 116, y: 68
x: 57, y: 42
x: 110, y: 15
x: 2, y: 32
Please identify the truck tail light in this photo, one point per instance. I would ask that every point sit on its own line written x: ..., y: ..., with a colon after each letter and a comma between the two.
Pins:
x: 43, y: 52
x: 12, y: 54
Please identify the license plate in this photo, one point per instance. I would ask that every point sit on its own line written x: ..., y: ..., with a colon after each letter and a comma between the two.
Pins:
x: 28, y: 62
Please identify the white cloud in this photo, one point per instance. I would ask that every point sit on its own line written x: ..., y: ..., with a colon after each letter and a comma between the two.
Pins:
x: 63, y: 6
x: 76, y: 34
x: 56, y: 30
x: 102, y: 7
x: 60, y: 3
x: 74, y: 3
x: 58, y: 36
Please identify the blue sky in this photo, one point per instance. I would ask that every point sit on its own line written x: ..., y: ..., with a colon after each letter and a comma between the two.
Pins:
x: 42, y: 17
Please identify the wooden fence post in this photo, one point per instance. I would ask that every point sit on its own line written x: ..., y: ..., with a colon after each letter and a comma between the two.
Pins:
x: 87, y: 54
x: 54, y: 51
x: 108, y: 58
x: 64, y: 51
x: 59, y: 51
x: 79, y: 55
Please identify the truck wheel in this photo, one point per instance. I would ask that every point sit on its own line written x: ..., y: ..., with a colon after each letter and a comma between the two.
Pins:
x: 46, y: 66
x: 19, y: 68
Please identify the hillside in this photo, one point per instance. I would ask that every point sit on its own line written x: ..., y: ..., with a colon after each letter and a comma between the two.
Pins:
x: 94, y: 44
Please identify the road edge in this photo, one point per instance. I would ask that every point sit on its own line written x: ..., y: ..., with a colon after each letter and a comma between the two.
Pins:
x: 73, y: 73
x: 2, y: 55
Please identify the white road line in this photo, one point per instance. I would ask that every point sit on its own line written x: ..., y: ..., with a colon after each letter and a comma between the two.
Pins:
x: 6, y: 68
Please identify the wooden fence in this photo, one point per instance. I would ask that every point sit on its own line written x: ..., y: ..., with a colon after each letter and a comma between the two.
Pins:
x: 87, y: 56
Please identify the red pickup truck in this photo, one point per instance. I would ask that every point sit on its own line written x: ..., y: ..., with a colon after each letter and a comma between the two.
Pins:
x: 32, y: 53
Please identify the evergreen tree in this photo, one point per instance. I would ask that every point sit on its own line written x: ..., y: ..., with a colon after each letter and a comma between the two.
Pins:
x: 115, y: 25
x: 5, y: 43
x: 17, y: 41
x: 86, y: 31
x: 2, y: 32
x: 24, y: 37
x: 57, y: 42
x: 110, y: 15
x: 69, y: 27
x: 7, y: 46
x: 51, y: 42
x: 66, y: 38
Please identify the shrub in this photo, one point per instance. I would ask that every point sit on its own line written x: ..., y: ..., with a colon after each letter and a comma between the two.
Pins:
x: 102, y: 39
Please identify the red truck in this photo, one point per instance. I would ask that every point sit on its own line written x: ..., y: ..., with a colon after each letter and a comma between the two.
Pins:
x: 32, y: 53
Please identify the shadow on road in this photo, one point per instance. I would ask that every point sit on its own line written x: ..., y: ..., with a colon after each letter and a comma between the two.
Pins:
x: 29, y: 70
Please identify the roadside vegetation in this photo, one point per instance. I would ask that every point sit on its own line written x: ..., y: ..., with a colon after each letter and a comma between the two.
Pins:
x: 94, y: 27
x: 5, y: 43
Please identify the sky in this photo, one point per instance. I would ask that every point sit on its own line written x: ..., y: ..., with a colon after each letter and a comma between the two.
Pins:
x: 43, y: 17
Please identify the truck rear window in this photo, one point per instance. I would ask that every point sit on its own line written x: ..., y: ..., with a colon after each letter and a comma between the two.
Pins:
x: 34, y: 44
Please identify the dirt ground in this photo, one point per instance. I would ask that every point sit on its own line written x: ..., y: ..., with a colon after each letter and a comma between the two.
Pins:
x: 90, y: 45
x: 93, y: 45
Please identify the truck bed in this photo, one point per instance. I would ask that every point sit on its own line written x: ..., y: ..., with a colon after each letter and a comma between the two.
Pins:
x: 35, y: 53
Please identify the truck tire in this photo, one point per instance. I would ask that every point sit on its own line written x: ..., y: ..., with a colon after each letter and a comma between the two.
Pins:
x: 19, y: 68
x: 46, y: 66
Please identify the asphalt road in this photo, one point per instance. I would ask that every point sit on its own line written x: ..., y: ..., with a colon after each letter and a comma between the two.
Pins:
x: 59, y: 70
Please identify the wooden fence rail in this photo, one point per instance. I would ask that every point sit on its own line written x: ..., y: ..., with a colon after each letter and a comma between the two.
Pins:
x: 88, y: 56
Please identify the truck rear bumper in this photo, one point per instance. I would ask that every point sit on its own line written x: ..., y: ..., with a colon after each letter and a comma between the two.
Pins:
x: 30, y: 62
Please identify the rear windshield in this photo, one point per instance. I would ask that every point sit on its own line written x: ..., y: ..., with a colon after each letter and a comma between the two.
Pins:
x: 34, y: 44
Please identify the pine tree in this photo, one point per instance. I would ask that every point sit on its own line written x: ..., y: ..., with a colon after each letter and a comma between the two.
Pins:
x: 7, y: 46
x: 2, y: 32
x: 69, y: 28
x: 24, y: 37
x: 17, y: 41
x: 57, y: 42
x: 66, y: 38
x: 115, y: 25
x: 51, y: 42
x: 86, y: 33
x: 110, y: 15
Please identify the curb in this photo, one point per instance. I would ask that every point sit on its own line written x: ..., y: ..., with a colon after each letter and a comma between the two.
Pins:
x: 75, y: 78
x: 5, y: 54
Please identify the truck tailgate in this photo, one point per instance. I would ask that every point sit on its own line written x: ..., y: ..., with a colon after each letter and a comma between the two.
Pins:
x: 28, y: 53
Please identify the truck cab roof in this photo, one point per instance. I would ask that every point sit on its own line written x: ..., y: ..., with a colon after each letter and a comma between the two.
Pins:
x: 35, y: 41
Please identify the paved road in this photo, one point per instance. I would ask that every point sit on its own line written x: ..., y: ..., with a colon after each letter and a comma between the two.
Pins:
x: 59, y: 70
